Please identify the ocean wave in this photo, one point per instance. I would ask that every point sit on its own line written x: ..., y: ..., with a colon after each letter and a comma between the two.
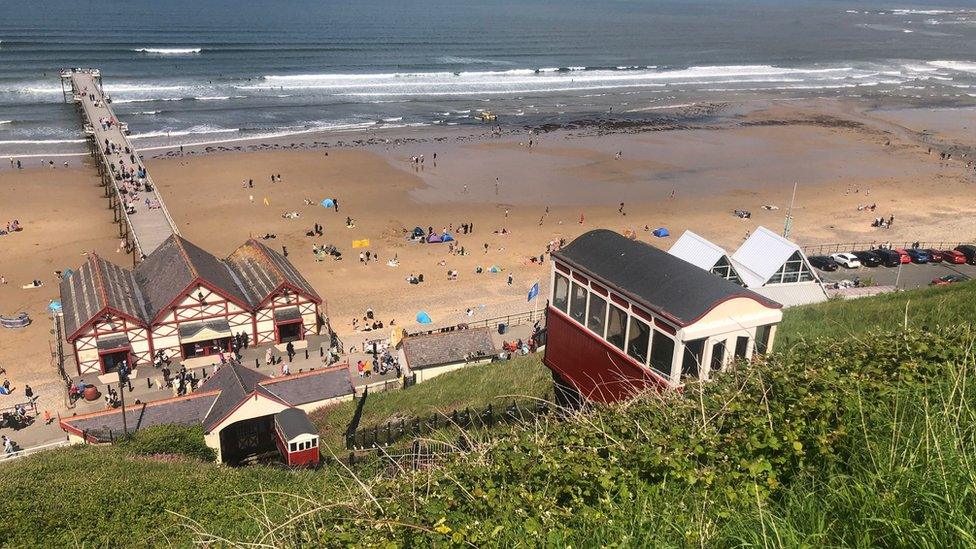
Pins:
x: 393, y: 119
x: 168, y: 51
x: 2, y: 122
x: 196, y: 130
x: 960, y: 66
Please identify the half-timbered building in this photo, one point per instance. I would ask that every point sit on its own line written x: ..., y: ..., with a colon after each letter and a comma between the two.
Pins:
x: 186, y: 302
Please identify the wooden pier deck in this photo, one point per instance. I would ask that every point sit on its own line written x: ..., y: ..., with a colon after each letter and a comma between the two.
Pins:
x: 146, y: 228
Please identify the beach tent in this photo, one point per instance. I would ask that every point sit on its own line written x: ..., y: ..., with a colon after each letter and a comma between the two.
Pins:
x: 67, y: 273
x: 54, y: 306
x: 423, y: 317
x: 494, y: 269
x: 328, y: 203
x: 446, y: 237
x: 418, y: 232
x: 434, y: 238
x: 661, y: 232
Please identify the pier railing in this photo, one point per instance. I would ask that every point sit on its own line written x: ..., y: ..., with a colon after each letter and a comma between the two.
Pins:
x: 841, y: 247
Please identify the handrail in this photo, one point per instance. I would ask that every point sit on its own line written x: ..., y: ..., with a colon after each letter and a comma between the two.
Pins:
x: 34, y: 450
x: 839, y: 247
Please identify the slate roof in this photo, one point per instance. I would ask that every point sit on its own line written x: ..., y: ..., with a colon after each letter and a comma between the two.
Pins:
x: 185, y: 410
x: 98, y: 284
x: 262, y: 270
x: 219, y: 395
x: 293, y: 422
x: 653, y: 278
x: 425, y: 351
x: 249, y: 276
x: 322, y: 384
x: 235, y: 383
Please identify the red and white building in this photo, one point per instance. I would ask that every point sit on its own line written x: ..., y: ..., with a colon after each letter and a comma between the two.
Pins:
x: 244, y: 414
x: 625, y: 316
x: 186, y: 302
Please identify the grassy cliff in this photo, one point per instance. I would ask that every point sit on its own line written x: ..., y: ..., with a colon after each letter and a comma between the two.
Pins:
x: 859, y: 432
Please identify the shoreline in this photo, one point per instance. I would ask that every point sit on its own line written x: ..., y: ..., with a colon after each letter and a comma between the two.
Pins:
x: 842, y: 156
x: 683, y: 114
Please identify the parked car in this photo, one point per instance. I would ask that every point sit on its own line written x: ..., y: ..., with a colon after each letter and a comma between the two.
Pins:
x: 968, y: 251
x: 903, y: 255
x: 889, y: 258
x: 823, y: 262
x: 868, y: 258
x: 847, y: 260
x: 918, y: 256
x: 949, y: 279
x: 953, y: 256
x: 935, y: 256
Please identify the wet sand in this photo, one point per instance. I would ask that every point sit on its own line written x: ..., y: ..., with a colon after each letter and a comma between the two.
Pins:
x: 838, y: 157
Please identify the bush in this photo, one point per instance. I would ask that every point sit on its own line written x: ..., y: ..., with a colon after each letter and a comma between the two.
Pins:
x: 180, y: 440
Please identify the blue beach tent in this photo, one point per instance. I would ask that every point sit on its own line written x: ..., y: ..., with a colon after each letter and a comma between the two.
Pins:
x: 424, y: 318
x: 328, y: 203
x: 661, y: 232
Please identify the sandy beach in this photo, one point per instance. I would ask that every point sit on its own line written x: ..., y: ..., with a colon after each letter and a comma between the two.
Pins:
x: 840, y: 157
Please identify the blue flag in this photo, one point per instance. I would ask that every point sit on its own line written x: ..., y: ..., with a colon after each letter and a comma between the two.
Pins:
x: 533, y: 291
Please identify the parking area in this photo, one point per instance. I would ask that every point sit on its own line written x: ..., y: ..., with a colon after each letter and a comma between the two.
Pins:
x: 912, y: 275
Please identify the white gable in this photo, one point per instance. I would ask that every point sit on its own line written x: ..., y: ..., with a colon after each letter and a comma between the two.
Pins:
x: 697, y: 250
x: 761, y: 255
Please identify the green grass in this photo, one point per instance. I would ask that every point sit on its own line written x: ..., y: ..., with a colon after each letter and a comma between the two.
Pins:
x: 473, y: 386
x: 104, y: 497
x: 857, y: 433
x: 927, y: 307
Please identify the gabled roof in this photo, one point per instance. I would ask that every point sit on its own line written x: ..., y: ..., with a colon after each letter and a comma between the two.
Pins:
x: 248, y: 278
x: 96, y: 286
x: 262, y: 271
x: 652, y: 278
x: 761, y: 255
x: 424, y: 351
x: 219, y: 395
x: 697, y: 250
x: 791, y: 295
x: 167, y: 272
x: 235, y: 384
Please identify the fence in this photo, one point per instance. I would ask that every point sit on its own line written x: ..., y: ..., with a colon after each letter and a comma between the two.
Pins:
x: 512, y: 319
x: 24, y: 452
x: 383, y: 435
x: 823, y: 249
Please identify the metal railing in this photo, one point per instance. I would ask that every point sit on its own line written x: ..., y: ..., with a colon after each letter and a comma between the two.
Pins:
x: 824, y: 249
x: 515, y: 319
x: 34, y: 450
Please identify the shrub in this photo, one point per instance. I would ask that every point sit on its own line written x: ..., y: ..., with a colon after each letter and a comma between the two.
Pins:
x: 178, y: 440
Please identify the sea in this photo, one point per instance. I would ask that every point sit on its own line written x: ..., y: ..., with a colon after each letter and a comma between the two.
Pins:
x: 202, y: 71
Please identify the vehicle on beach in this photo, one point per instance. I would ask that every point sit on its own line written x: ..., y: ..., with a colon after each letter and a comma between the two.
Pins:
x: 949, y: 279
x: 969, y: 251
x: 918, y: 256
x: 953, y: 256
x: 935, y: 256
x: 889, y: 258
x: 868, y: 258
x: 847, y: 260
x: 486, y: 116
x: 903, y: 255
x: 823, y: 262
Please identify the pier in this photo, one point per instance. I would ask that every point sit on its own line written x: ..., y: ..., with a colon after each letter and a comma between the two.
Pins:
x: 143, y: 226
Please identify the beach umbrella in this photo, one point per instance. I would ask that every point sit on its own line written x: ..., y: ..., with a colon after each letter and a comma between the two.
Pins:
x: 661, y: 232
x: 328, y: 203
x: 423, y: 317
